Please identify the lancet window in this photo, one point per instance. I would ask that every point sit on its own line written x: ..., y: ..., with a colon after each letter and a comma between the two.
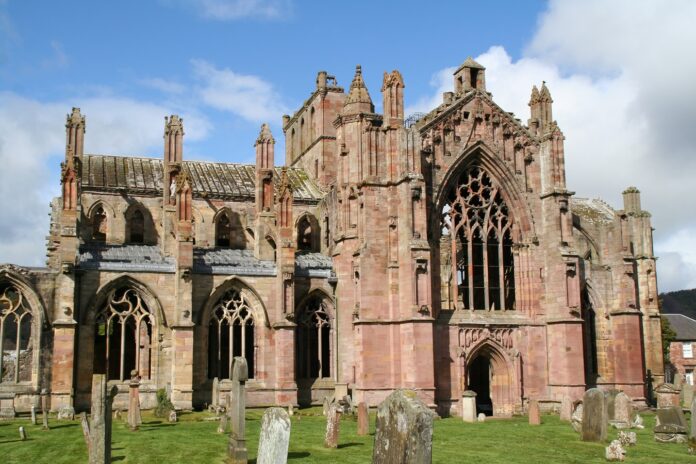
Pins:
x: 476, y: 226
x: 231, y: 333
x: 99, y: 225
x: 313, y: 343
x: 15, y: 335
x: 223, y: 231
x: 123, y: 335
x: 137, y: 227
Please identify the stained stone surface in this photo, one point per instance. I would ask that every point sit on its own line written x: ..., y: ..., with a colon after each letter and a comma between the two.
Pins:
x: 594, y: 416
x: 333, y: 426
x: 33, y: 415
x: 615, y: 451
x: 216, y: 393
x: 627, y: 438
x: 623, y: 411
x: 404, y: 432
x: 100, y: 424
x: 534, y: 413
x: 566, y: 409
x: 363, y: 419
x: 670, y: 425
x: 274, y: 438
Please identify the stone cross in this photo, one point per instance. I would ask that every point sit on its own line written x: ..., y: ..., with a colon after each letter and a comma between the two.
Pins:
x: 404, y: 432
x: 236, y: 448
x: 44, y: 408
x: 566, y: 409
x: 594, y: 416
x: 363, y: 419
x: 333, y: 426
x: 469, y: 406
x: 274, y: 438
x: 33, y: 415
x: 534, y: 413
x: 134, y: 418
x: 100, y: 424
x: 623, y: 411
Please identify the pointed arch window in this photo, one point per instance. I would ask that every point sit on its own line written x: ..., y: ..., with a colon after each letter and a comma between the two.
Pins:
x: 476, y: 226
x: 123, y: 335
x: 313, y: 342
x: 16, y: 347
x: 223, y: 231
x: 136, y: 224
x: 306, y: 234
x: 99, y: 224
x: 230, y: 334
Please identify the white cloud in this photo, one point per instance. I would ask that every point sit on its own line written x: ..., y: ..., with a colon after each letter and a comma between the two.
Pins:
x: 226, y: 10
x: 624, y: 96
x: 32, y: 144
x: 163, y: 85
x: 248, y: 96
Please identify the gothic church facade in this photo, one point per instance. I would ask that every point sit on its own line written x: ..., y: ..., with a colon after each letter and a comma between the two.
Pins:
x: 439, y: 253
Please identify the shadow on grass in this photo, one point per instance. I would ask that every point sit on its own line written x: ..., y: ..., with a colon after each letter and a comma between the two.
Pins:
x: 348, y: 445
x: 15, y: 441
x: 61, y: 426
x: 298, y: 454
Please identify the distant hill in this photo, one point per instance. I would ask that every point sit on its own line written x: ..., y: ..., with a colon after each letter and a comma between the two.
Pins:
x: 679, y: 302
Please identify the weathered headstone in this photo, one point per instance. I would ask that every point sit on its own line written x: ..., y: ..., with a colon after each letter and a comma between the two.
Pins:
x: 469, y: 406
x: 85, y: 431
x: 22, y: 433
x: 615, y: 451
x: 627, y: 438
x: 404, y: 430
x: 66, y: 413
x: 576, y: 416
x: 216, y: 394
x: 693, y: 418
x: 667, y: 395
x: 274, y: 438
x: 33, y: 415
x: 678, y: 380
x: 481, y: 417
x: 566, y: 409
x: 326, y: 404
x: 594, y: 416
x: 333, y: 426
x: 609, y: 397
x: 100, y: 423
x: 670, y: 425
x: 44, y: 408
x: 623, y: 411
x: 172, y: 416
x: 363, y: 419
x: 236, y: 448
x: 687, y: 395
x: 534, y: 413
x: 134, y: 418
x: 7, y: 409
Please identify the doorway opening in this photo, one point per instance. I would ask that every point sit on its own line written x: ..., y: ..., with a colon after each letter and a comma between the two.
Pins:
x: 480, y: 373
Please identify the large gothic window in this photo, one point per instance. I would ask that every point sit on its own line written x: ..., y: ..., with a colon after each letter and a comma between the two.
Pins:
x: 123, y: 336
x: 231, y: 333
x: 476, y: 228
x: 313, y: 345
x: 15, y: 335
x: 99, y: 225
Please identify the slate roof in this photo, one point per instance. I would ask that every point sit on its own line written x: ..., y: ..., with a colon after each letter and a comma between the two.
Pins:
x: 226, y: 261
x: 142, y: 258
x: 684, y: 326
x: 215, y: 180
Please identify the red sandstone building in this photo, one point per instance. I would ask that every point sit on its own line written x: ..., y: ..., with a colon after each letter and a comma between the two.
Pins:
x: 681, y: 349
x: 439, y: 253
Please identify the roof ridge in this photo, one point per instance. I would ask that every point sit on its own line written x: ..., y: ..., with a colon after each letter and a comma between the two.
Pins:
x: 103, y: 155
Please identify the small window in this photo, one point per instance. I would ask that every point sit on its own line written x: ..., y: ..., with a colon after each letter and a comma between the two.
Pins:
x: 137, y: 227
x: 223, y: 231
x: 99, y: 225
x: 689, y: 377
x: 686, y: 349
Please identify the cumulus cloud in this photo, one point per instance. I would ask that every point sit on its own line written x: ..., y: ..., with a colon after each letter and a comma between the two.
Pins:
x: 248, y: 96
x: 32, y: 144
x: 624, y: 97
x: 227, y: 10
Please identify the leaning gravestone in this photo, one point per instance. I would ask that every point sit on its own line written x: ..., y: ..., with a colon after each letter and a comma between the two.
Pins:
x: 623, y: 411
x: 670, y: 425
x: 100, y: 425
x: 363, y: 419
x: 134, y: 417
x: 404, y: 430
x: 469, y: 406
x: 566, y: 409
x: 236, y: 448
x: 333, y: 426
x: 594, y: 416
x: 85, y: 431
x: 274, y: 438
x: 534, y: 413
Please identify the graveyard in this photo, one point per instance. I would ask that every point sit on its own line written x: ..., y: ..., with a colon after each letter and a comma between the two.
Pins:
x: 194, y: 439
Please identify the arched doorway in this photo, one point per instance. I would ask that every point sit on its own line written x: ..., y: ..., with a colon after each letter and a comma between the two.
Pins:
x: 480, y: 381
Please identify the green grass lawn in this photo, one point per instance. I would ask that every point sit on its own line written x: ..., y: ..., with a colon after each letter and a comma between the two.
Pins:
x: 194, y: 440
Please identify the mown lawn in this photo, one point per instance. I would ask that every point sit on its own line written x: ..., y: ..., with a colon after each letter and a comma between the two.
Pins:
x: 194, y: 440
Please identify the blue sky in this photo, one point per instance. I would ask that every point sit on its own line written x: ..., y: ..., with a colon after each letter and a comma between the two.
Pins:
x: 624, y: 98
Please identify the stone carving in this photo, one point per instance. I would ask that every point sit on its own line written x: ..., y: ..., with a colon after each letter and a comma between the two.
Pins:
x: 534, y: 413
x: 576, y: 417
x: 670, y: 425
x: 236, y: 449
x: 615, y: 451
x: 627, y: 438
x: 566, y: 409
x: 224, y: 417
x: 363, y: 419
x: 471, y: 337
x: 100, y: 423
x: 333, y: 426
x: 594, y: 416
x: 274, y: 438
x: 134, y: 417
x: 623, y: 411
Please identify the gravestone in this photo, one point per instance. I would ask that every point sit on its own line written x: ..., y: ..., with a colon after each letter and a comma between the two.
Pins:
x: 33, y: 415
x: 404, y: 432
x: 627, y: 438
x: 44, y: 408
x: 576, y: 416
x: 7, y: 409
x: 216, y: 394
x: 327, y: 404
x: 333, y: 426
x: 566, y: 409
x: 481, y: 417
x: 22, y: 433
x: 594, y: 416
x: 693, y: 418
x: 615, y: 451
x: 224, y: 417
x: 66, y: 413
x: 638, y: 422
x: 291, y: 410
x: 363, y: 419
x: 687, y: 395
x: 623, y: 411
x: 100, y: 423
x: 667, y: 395
x: 609, y: 397
x: 469, y: 406
x: 172, y: 416
x: 670, y: 425
x: 236, y: 448
x: 134, y: 418
x: 274, y: 438
x: 678, y: 380
x: 534, y: 413
x: 85, y: 430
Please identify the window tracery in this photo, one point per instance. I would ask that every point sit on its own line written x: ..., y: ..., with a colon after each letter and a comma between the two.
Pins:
x: 313, y: 340
x: 231, y: 333
x: 16, y: 351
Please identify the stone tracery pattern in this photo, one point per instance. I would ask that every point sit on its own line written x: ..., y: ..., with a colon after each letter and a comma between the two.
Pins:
x: 15, y: 335
x: 476, y: 220
x: 313, y: 344
x: 231, y: 333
